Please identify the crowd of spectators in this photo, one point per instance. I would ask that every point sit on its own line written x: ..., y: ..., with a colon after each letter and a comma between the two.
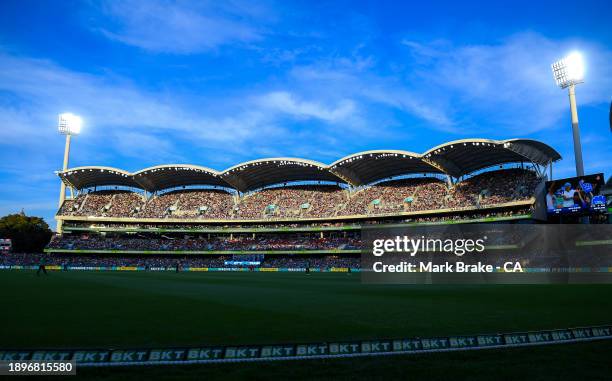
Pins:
x: 125, y: 204
x: 326, y: 262
x: 312, y: 201
x: 205, y: 203
x: 159, y: 206
x: 470, y: 216
x: 454, y: 216
x: 69, y: 207
x: 257, y: 205
x: 288, y: 202
x: 398, y: 196
x: 94, y: 203
x: 210, y: 204
x: 171, y: 262
x: 241, y: 243
x: 492, y: 188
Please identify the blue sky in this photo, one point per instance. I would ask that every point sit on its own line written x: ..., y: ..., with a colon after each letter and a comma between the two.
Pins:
x: 216, y: 83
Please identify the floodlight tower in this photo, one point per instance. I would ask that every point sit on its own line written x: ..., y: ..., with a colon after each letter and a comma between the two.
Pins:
x: 569, y: 72
x: 68, y: 124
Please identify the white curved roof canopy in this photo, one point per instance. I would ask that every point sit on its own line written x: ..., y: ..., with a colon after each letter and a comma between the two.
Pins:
x: 461, y: 157
x: 91, y: 176
x: 257, y: 174
x: 370, y: 166
x: 162, y: 177
x: 455, y: 158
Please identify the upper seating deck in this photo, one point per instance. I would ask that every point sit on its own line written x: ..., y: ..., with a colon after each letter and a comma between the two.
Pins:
x: 310, y: 201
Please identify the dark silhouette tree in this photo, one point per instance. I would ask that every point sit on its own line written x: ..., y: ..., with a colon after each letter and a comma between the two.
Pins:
x: 28, y: 234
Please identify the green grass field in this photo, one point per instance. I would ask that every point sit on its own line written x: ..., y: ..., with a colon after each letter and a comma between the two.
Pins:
x: 128, y: 309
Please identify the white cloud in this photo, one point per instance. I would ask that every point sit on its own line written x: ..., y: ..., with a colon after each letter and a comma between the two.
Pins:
x: 507, y: 84
x: 408, y: 101
x: 179, y: 27
x: 139, y: 145
x: 111, y: 107
x: 287, y: 103
x: 340, y: 78
x: 124, y: 120
x: 507, y: 89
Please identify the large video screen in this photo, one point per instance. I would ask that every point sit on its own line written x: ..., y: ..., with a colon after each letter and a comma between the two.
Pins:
x: 576, y: 195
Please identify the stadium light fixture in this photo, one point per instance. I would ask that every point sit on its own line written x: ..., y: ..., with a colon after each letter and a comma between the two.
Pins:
x: 568, y: 72
x: 68, y: 124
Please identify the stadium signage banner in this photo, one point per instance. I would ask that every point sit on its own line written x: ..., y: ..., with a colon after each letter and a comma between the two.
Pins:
x: 211, y: 354
x: 173, y: 268
x: 487, y: 253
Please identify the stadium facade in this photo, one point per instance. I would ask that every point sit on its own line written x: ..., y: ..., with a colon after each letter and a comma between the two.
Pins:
x: 296, y: 210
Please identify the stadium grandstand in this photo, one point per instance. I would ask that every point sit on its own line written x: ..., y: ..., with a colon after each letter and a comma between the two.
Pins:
x: 289, y: 211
